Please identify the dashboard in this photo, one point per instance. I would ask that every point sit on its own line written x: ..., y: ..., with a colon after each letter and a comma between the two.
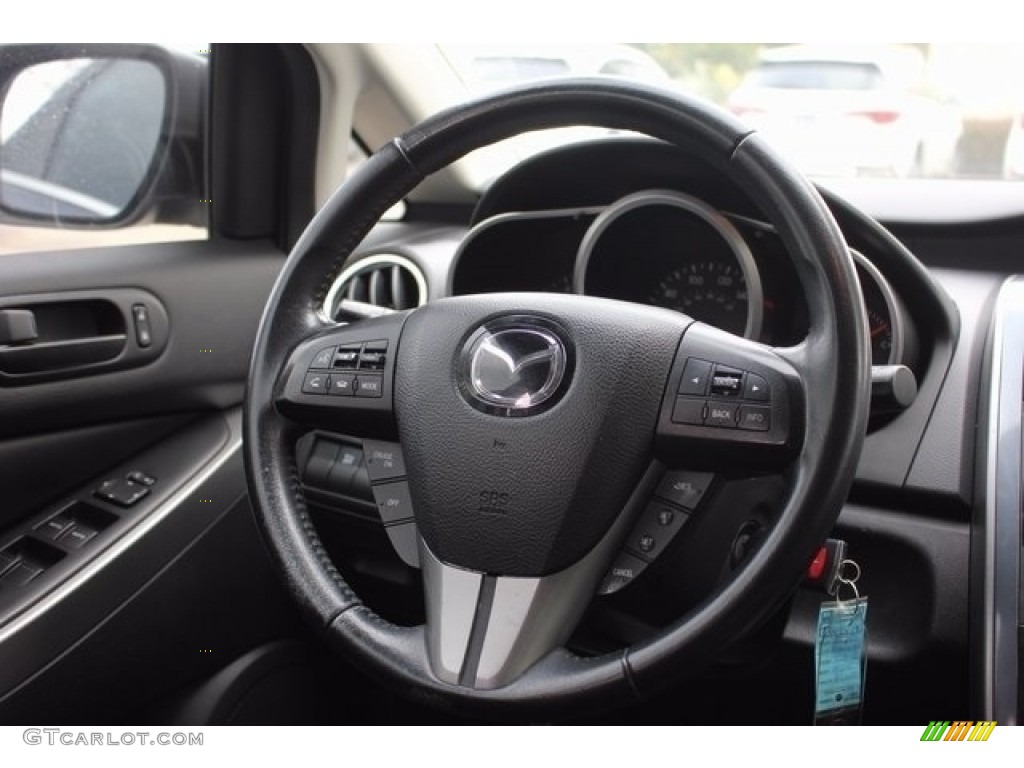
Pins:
x: 658, y: 232
x: 669, y: 249
x: 640, y: 221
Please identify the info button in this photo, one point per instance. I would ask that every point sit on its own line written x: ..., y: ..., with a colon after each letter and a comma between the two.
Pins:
x: 757, y: 418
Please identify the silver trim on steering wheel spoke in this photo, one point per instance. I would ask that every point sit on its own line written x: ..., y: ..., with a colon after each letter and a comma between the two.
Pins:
x: 485, y: 631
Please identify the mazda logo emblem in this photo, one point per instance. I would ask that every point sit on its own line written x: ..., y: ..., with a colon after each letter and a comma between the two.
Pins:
x: 514, y: 368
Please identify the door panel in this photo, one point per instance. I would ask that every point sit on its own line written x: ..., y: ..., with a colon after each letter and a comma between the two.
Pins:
x: 213, y: 293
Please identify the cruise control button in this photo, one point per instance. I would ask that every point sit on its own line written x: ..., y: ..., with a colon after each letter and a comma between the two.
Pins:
x: 377, y: 345
x: 323, y: 358
x: 369, y: 386
x: 316, y: 383
x: 695, y: 377
x: 757, y: 418
x: 342, y: 385
x: 384, y: 461
x: 393, y: 502
x: 626, y: 568
x: 405, y: 539
x: 756, y: 388
x: 683, y: 487
x: 687, y: 410
x: 656, y: 527
x: 720, y: 415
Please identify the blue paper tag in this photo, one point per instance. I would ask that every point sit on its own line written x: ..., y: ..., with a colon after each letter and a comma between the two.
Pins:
x: 839, y: 658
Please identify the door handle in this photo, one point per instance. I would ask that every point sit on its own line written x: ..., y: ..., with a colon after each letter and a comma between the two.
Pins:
x: 51, y: 356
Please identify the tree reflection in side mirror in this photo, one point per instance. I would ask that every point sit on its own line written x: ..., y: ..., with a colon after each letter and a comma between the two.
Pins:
x: 80, y: 138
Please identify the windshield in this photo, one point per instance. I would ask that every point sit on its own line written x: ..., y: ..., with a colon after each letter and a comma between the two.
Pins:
x: 893, y: 111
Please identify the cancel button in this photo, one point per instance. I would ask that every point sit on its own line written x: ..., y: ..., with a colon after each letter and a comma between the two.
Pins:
x: 757, y: 418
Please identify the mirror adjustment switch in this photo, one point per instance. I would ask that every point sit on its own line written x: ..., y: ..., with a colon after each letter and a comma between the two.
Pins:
x: 122, y: 492
x: 142, y: 478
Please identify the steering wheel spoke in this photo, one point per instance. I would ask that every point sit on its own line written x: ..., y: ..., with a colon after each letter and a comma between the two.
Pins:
x: 343, y: 378
x: 730, y: 403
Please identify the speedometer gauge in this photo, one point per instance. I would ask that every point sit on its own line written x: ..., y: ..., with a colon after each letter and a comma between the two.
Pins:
x: 712, y: 291
x: 672, y: 250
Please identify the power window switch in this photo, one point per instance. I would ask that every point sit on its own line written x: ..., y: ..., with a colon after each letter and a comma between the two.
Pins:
x: 7, y: 559
x: 78, y: 536
x: 55, y: 527
x: 20, y: 575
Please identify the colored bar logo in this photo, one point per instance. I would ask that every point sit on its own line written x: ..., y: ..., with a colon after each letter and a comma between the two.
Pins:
x: 960, y: 730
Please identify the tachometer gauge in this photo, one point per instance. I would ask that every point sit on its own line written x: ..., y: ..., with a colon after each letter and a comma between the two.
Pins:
x: 712, y: 291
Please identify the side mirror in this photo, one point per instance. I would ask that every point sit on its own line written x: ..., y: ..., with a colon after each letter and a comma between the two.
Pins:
x: 100, y: 135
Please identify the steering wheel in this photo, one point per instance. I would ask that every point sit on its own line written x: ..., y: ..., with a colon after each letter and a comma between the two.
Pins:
x: 534, y: 427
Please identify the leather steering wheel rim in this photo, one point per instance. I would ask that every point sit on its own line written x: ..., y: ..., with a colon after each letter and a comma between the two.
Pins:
x: 833, y: 361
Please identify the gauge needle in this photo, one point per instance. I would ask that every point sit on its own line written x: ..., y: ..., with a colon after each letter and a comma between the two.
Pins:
x: 880, y: 329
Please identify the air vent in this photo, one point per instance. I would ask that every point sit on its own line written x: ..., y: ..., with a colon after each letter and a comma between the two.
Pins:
x: 374, y: 285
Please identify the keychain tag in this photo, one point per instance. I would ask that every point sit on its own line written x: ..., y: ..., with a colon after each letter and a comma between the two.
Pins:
x: 839, y: 653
